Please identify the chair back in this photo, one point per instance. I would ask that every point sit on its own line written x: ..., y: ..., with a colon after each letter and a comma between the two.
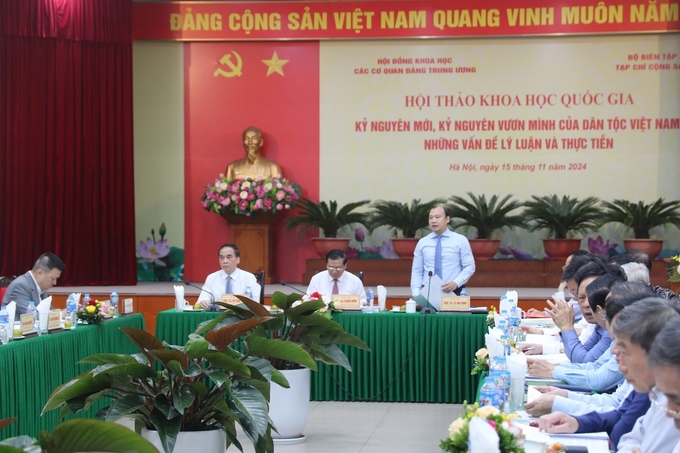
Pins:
x: 260, y: 279
x: 4, y: 283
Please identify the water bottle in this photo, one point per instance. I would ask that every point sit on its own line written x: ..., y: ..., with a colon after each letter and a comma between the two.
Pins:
x: 504, y: 305
x: 488, y: 394
x: 32, y: 310
x: 369, y: 296
x: 503, y: 326
x: 71, y: 312
x: 86, y: 300
x: 502, y: 369
x: 505, y: 341
x: 249, y: 292
x: 513, y: 323
x: 501, y: 390
x: 114, y: 303
x: 463, y: 292
x: 5, y: 328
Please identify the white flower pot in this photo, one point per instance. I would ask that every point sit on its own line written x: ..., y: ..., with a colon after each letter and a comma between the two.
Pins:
x: 288, y: 408
x: 213, y: 441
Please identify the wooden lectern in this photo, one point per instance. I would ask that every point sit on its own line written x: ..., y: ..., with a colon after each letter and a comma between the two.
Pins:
x: 254, y: 235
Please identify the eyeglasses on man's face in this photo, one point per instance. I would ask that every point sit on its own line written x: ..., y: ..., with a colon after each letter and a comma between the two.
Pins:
x: 655, y: 396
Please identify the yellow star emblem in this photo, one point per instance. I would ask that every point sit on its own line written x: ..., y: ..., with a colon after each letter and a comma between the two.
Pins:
x: 274, y: 65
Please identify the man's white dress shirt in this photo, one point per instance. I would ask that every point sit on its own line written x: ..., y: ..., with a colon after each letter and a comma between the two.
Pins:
x: 458, y: 264
x: 652, y: 433
x: 216, y: 283
x: 348, y: 284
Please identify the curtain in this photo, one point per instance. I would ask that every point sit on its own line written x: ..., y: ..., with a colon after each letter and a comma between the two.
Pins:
x: 66, y: 156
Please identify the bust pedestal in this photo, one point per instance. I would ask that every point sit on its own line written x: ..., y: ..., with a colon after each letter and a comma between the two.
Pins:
x: 254, y: 235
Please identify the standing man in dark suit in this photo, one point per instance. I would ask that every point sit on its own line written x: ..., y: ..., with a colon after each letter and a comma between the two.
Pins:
x: 33, y: 285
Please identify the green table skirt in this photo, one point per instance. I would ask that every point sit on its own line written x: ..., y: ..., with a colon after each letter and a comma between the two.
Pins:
x: 438, y: 370
x: 31, y: 369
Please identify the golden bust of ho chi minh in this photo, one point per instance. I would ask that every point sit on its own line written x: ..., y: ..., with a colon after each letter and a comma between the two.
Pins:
x: 253, y: 165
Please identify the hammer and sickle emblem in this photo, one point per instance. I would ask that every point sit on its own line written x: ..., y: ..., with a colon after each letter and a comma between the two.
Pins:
x: 235, y: 68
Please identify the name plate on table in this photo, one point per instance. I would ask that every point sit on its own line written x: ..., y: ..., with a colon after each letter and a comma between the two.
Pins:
x: 346, y: 301
x: 54, y: 319
x: 230, y: 299
x: 27, y: 323
x: 127, y: 306
x: 455, y: 303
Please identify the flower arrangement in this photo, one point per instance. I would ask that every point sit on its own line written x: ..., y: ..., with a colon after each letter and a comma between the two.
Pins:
x: 491, y: 318
x: 248, y: 196
x: 326, y: 299
x: 481, y: 362
x: 674, y: 269
x: 92, y: 313
x: 511, y: 439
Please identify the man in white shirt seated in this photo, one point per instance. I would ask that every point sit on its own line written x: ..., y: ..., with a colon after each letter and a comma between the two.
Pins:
x: 335, y: 280
x: 229, y: 280
x: 659, y: 429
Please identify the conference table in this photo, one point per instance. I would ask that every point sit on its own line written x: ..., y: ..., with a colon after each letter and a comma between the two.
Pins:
x: 413, y: 357
x: 31, y: 368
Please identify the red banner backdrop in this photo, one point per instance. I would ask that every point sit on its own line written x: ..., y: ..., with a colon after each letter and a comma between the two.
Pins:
x: 228, y: 87
x: 200, y: 21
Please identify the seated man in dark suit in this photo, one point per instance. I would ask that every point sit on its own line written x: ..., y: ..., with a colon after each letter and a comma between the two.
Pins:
x: 33, y: 285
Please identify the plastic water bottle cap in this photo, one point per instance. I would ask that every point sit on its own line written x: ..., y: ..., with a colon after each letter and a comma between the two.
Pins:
x: 500, y: 359
x: 497, y: 358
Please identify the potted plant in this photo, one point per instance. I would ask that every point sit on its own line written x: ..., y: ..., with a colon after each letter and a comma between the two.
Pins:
x: 487, y: 218
x: 304, y: 323
x: 401, y: 218
x: 561, y: 217
x: 642, y: 217
x: 327, y: 218
x: 79, y: 435
x: 188, y: 395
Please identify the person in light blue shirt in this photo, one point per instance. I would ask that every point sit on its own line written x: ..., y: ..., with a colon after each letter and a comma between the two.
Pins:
x: 444, y: 253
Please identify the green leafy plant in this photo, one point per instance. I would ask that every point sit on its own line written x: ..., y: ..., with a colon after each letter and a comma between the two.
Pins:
x: 303, y: 323
x: 641, y: 216
x: 205, y: 384
x: 401, y: 217
x: 562, y: 216
x: 485, y: 217
x: 326, y: 216
x: 79, y: 435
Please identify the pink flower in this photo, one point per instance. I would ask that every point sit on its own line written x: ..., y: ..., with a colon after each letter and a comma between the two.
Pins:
x: 251, y: 196
x: 224, y: 201
x: 359, y: 235
x: 205, y: 205
x: 214, y: 196
x: 491, y: 423
x: 243, y: 205
x: 153, y: 251
x: 280, y: 194
x: 257, y: 205
x: 268, y: 202
x: 279, y: 207
x: 260, y: 191
x: 599, y: 247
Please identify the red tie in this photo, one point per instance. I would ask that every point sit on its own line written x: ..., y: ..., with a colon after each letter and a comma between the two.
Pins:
x: 335, y: 286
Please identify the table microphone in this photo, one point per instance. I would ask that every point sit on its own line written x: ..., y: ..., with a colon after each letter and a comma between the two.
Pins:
x: 297, y: 290
x: 215, y: 298
x: 428, y: 310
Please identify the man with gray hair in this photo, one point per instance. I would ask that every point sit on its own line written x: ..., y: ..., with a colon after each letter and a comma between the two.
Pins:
x: 634, y: 330
x: 654, y: 432
x: 664, y: 360
x: 636, y: 272
x: 33, y: 285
